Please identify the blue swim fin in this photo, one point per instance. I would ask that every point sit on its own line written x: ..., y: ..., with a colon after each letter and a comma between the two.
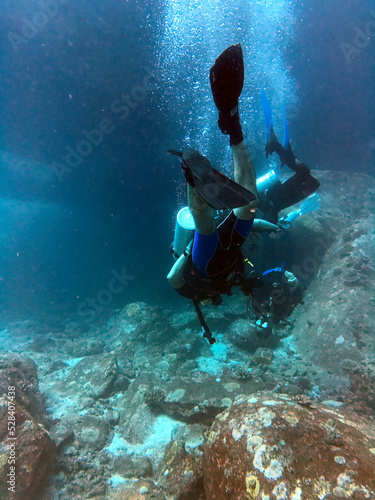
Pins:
x: 311, y: 204
x: 286, y: 131
x: 267, y: 114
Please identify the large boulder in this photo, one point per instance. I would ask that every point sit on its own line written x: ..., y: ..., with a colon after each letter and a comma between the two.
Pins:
x: 21, y: 372
x: 27, y: 447
x: 337, y: 321
x: 271, y: 447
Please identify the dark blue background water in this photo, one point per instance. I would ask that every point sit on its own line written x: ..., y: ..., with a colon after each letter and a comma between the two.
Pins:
x: 116, y: 208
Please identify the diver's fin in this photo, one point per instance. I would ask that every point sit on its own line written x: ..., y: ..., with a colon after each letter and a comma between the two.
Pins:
x: 227, y: 78
x: 285, y: 151
x: 286, y: 141
x: 215, y: 188
x: 311, y: 204
x: 288, y: 157
x: 267, y: 114
x: 175, y: 153
x: 272, y: 144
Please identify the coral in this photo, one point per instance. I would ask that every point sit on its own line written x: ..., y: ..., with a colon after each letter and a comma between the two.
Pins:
x: 242, y: 373
x: 252, y: 486
x: 154, y: 398
x: 135, y: 309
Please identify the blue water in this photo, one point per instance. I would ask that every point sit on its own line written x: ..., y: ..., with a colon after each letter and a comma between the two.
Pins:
x: 139, y: 72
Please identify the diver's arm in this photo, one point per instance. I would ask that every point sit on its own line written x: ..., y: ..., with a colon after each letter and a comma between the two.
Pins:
x: 175, y: 274
x: 260, y: 226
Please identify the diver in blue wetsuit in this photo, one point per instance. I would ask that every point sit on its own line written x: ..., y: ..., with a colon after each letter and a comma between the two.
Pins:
x: 214, y: 262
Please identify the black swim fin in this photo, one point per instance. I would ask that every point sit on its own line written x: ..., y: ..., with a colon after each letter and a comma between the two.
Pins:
x: 272, y: 144
x: 218, y: 190
x: 227, y: 78
x: 285, y: 151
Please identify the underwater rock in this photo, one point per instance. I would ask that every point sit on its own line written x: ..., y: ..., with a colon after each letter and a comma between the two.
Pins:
x: 112, y: 416
x: 125, y: 466
x: 338, y: 313
x: 149, y: 324
x: 91, y: 433
x: 21, y: 372
x: 269, y: 446
x: 42, y: 343
x: 188, y: 412
x: 263, y: 357
x: 93, y: 377
x: 184, y: 319
x: 361, y: 395
x: 179, y: 475
x: 242, y: 334
x: 33, y: 451
x: 56, y: 365
x: 191, y: 413
x: 81, y: 348
x: 62, y: 434
x: 136, y: 421
x: 144, y: 489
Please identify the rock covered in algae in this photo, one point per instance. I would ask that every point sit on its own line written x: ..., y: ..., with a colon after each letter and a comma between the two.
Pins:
x: 270, y: 447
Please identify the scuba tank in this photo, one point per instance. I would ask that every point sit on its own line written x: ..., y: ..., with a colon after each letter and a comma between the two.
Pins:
x: 185, y: 227
x: 267, y: 182
x: 183, y: 233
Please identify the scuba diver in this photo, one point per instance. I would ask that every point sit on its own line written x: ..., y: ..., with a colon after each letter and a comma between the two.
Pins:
x: 275, y: 300
x: 212, y: 262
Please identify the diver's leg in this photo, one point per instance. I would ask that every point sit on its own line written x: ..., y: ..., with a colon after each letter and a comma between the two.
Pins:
x: 202, y: 213
x: 244, y: 174
x: 206, y: 236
